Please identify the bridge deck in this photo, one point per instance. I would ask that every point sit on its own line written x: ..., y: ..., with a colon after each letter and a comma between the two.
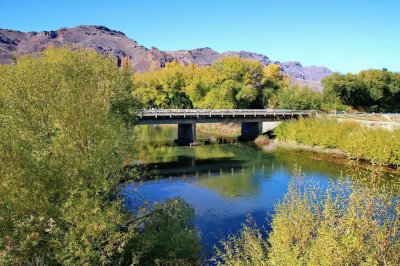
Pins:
x: 188, y: 116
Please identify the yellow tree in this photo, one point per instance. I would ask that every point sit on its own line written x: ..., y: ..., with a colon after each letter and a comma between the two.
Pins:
x: 273, y: 81
x: 126, y: 63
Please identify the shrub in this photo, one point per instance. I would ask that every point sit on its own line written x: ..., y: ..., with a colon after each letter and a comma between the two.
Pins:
x: 168, y: 237
x: 247, y: 248
x: 358, y: 141
x: 348, y: 223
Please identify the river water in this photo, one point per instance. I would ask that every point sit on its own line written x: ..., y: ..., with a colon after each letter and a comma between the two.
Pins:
x: 222, y: 182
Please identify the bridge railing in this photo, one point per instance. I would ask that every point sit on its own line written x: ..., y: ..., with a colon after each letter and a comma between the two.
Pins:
x: 221, y: 112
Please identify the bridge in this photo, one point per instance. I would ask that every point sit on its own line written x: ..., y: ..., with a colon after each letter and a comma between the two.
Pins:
x: 250, y: 119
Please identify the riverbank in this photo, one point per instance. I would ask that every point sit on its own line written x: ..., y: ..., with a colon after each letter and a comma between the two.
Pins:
x: 336, y: 153
x: 357, y: 141
x: 321, y: 153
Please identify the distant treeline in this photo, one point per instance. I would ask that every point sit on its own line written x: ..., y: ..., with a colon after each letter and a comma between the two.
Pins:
x: 227, y: 83
x: 241, y: 83
x: 371, y: 90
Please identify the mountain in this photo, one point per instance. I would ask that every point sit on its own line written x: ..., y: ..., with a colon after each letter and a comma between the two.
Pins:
x: 106, y: 41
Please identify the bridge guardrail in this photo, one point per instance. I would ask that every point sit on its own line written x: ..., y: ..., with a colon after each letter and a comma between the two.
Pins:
x: 222, y: 112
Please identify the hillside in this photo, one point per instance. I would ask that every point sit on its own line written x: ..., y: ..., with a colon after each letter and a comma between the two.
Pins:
x: 107, y: 41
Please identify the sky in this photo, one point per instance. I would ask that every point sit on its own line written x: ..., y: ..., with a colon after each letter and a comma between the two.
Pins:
x: 343, y: 35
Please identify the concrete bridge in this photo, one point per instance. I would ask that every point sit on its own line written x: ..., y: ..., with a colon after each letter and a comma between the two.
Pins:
x: 250, y: 119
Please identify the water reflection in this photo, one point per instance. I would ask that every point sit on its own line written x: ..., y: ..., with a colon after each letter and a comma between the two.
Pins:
x: 222, y: 182
x: 232, y: 184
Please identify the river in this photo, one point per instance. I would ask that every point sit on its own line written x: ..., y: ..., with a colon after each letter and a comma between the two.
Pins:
x: 222, y: 182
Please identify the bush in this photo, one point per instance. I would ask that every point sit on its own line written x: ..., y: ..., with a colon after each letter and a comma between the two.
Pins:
x: 348, y: 224
x: 379, y: 145
x: 247, y: 248
x: 344, y: 224
x: 61, y: 144
x: 168, y: 237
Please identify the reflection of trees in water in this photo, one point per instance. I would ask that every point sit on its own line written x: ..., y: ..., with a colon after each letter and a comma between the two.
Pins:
x: 157, y: 146
x: 219, y: 161
x: 151, y: 153
x: 158, y: 150
x: 307, y: 162
x: 157, y: 133
x: 214, y: 151
x: 232, y: 183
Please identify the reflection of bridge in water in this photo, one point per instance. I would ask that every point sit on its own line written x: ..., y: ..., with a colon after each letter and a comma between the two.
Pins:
x: 189, y: 166
x: 251, y: 119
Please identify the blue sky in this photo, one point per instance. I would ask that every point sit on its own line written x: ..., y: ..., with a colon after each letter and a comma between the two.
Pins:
x: 346, y: 36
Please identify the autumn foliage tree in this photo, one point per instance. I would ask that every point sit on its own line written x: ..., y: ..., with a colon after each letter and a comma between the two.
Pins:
x: 226, y: 83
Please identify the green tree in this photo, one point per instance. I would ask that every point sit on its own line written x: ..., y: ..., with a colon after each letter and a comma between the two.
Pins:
x: 240, y: 78
x: 201, y: 80
x: 60, y: 158
x: 299, y: 98
x: 65, y: 120
x: 370, y: 90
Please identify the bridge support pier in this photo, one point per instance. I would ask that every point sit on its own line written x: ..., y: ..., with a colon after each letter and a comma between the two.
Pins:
x: 250, y: 131
x: 186, y: 134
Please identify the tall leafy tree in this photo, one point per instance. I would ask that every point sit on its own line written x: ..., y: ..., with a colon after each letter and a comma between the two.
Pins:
x: 65, y: 138
x: 162, y: 88
x: 61, y: 150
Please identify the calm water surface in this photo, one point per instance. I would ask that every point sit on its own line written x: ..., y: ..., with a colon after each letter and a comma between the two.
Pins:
x: 222, y: 182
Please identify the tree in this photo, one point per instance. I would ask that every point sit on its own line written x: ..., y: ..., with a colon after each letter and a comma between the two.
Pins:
x: 126, y: 63
x: 63, y: 145
x: 230, y: 82
x: 162, y: 88
x: 370, y: 90
x: 298, y: 98
x: 243, y: 78
x: 66, y: 135
x: 273, y: 81
x: 201, y: 80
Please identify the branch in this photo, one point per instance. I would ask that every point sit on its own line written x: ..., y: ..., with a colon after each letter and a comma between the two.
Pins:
x: 136, y: 219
